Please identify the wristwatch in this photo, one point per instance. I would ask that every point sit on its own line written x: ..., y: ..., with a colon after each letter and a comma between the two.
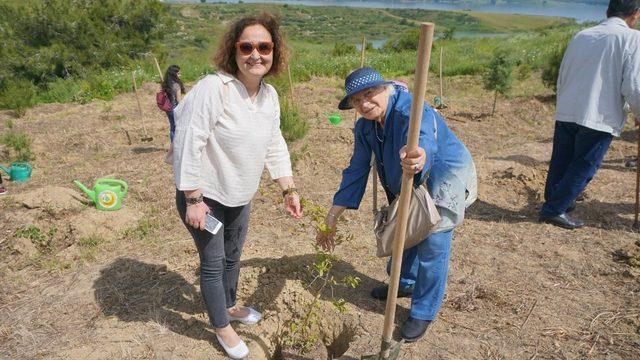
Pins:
x: 290, y: 191
x: 194, y: 200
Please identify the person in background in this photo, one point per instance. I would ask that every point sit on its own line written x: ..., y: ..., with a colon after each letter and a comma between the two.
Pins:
x: 441, y: 160
x: 228, y: 129
x: 174, y: 88
x: 592, y: 90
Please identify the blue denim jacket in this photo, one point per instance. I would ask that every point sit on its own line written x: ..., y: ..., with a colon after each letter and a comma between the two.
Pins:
x: 449, y: 169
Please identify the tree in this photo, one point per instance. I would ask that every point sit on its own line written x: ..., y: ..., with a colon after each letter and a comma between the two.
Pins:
x: 499, y: 75
x: 448, y: 33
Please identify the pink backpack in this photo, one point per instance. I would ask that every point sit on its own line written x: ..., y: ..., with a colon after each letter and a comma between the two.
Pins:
x: 162, y: 99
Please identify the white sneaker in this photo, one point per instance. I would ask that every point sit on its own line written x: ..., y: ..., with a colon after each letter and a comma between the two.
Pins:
x: 251, y: 319
x: 239, y: 351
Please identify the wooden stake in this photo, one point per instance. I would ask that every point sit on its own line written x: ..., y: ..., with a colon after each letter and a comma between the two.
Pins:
x: 420, y: 87
x: 290, y: 85
x: 146, y: 136
x: 158, y: 67
x: 441, y: 95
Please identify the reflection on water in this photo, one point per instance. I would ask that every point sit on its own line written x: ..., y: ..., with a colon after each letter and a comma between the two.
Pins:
x: 580, y: 12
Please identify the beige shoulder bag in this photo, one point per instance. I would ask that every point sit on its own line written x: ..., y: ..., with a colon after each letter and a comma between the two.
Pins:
x: 423, y: 218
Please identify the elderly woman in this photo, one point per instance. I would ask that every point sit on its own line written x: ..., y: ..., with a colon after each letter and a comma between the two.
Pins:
x: 227, y: 130
x: 441, y: 160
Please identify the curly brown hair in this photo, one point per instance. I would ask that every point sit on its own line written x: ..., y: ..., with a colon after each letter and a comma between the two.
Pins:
x: 225, y: 58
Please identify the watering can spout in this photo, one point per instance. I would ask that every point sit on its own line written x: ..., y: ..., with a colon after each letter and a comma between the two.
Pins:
x: 5, y: 169
x: 90, y: 194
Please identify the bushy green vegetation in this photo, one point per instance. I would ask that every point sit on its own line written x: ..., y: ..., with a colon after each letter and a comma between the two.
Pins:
x: 322, y: 41
x: 45, y: 41
x: 551, y: 70
x: 17, y: 142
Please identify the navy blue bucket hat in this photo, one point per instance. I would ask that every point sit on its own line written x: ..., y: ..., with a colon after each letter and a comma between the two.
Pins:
x: 359, y: 80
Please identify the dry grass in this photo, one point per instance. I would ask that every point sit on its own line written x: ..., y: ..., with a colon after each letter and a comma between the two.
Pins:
x: 517, y: 289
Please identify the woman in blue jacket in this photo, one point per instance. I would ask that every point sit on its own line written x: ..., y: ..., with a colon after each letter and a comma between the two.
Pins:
x: 441, y: 160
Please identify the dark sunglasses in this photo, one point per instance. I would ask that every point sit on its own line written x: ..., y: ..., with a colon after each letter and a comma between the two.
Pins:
x: 246, y: 48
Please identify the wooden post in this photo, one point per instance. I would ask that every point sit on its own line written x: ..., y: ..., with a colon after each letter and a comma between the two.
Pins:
x: 290, y: 85
x: 158, y: 67
x: 441, y: 94
x: 146, y: 136
x: 420, y: 87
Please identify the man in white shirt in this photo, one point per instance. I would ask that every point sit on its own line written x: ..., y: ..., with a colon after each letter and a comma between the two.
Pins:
x: 600, y: 70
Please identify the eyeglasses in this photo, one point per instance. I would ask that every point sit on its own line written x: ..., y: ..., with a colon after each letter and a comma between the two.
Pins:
x: 247, y: 47
x: 357, y: 99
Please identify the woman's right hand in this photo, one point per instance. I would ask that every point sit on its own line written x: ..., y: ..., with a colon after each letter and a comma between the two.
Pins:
x: 195, y: 215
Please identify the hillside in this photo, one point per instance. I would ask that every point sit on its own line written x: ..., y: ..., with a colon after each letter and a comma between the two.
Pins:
x: 79, y: 283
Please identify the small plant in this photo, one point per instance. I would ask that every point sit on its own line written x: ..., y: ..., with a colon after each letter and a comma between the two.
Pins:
x: 302, y: 334
x: 499, y: 75
x: 141, y: 231
x: 18, y: 142
x: 90, y: 241
x: 42, y: 240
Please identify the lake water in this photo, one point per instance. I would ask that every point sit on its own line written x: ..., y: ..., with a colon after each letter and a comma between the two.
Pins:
x: 580, y: 12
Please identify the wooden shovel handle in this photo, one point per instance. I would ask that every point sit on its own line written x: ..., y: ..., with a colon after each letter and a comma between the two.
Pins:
x: 420, y: 88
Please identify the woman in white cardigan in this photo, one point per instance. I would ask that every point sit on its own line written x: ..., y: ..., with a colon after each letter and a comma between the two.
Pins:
x: 228, y: 129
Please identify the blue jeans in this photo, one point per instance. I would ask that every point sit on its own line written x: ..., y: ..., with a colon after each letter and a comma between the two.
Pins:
x: 577, y: 154
x: 172, y: 125
x: 426, y: 266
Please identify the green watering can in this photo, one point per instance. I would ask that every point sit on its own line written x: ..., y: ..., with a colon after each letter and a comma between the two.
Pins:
x: 107, y: 194
x: 18, y: 171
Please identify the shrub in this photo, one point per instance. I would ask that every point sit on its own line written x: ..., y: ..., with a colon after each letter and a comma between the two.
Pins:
x: 341, y: 48
x: 293, y: 126
x: 523, y: 72
x: 18, y: 95
x: 17, y: 142
x: 499, y: 75
x: 551, y: 69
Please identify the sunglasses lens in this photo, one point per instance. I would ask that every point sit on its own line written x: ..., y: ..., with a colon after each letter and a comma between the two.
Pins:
x: 265, y: 48
x: 245, y: 48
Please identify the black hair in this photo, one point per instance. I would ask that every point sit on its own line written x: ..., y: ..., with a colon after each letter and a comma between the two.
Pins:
x: 171, y: 77
x: 622, y: 8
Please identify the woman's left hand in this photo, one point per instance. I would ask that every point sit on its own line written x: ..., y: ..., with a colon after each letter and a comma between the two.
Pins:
x: 292, y: 205
x: 412, y: 161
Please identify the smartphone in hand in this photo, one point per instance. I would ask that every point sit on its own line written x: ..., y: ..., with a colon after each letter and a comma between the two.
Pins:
x: 211, y: 224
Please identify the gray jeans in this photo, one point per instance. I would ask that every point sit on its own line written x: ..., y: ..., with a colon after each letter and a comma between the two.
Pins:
x: 219, y: 256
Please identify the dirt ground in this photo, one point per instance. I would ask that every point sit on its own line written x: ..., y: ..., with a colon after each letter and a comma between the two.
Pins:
x: 84, y: 284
